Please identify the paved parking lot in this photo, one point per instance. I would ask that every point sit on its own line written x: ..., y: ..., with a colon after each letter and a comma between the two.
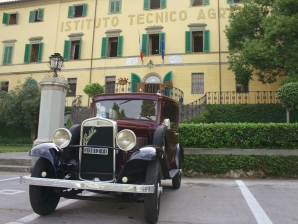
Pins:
x: 205, y: 201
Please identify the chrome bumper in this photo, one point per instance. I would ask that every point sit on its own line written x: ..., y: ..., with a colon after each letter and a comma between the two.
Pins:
x: 89, y: 185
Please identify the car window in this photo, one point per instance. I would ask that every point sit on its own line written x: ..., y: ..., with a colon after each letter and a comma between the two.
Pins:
x: 128, y: 109
x: 170, y: 112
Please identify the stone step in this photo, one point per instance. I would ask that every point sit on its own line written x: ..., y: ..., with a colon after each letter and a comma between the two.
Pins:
x: 14, y: 168
x: 16, y: 162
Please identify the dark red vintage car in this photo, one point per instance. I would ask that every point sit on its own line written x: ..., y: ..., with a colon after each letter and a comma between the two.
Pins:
x: 122, y: 153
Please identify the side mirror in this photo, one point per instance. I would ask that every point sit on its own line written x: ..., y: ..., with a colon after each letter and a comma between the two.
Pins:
x: 167, y: 123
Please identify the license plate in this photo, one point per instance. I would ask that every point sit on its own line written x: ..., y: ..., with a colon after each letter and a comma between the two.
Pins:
x: 96, y: 151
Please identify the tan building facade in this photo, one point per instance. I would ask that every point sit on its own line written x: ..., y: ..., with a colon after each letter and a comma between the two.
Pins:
x: 100, y: 41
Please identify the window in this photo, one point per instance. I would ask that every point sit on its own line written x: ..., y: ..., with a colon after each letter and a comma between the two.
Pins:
x: 111, y: 46
x: 72, y: 82
x: 241, y: 88
x: 33, y: 52
x: 7, y: 55
x: 36, y: 15
x: 4, y: 86
x: 234, y: 1
x: 115, y: 6
x: 197, y: 83
x: 154, y: 4
x: 110, y: 84
x: 151, y: 43
x: 10, y: 18
x: 199, y: 2
x: 72, y: 49
x: 77, y: 10
x: 197, y: 41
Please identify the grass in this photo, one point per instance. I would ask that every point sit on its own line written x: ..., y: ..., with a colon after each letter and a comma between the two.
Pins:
x: 7, y: 148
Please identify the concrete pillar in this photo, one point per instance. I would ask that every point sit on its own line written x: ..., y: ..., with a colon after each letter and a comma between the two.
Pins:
x: 52, y: 107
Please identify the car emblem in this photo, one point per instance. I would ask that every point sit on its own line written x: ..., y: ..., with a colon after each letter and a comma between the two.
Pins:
x: 88, y: 136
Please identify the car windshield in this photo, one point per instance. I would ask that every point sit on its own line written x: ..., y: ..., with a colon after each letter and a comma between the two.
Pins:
x: 127, y: 109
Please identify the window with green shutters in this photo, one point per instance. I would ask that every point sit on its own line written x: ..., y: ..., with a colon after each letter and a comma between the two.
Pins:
x: 72, y: 49
x: 199, y: 2
x: 77, y: 10
x: 36, y: 15
x: 151, y: 44
x: 10, y: 18
x: 115, y: 6
x: 7, y: 57
x: 197, y: 41
x: 33, y: 53
x: 111, y: 47
x: 234, y: 1
x: 155, y: 4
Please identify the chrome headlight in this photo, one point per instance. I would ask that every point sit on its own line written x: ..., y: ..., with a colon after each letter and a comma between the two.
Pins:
x: 62, y: 137
x: 126, y: 139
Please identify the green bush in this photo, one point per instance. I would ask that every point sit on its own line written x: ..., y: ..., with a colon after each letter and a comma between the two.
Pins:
x: 239, y: 135
x: 271, y: 166
x: 93, y: 89
x: 250, y: 113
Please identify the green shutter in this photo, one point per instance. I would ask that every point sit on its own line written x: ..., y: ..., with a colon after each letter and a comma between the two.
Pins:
x: 191, y: 2
x: 168, y: 77
x: 80, y: 47
x: 146, y: 4
x: 85, y: 8
x: 27, y: 53
x: 7, y: 55
x: 117, y: 6
x: 145, y: 44
x: 163, y: 4
x: 119, y: 46
x: 230, y: 1
x: 17, y: 17
x: 135, y: 79
x: 40, y: 13
x: 104, y: 44
x: 188, y: 38
x: 5, y: 18
x: 206, y: 2
x: 39, y: 58
x: 66, y: 50
x: 206, y: 40
x: 112, y: 7
x: 31, y: 16
x: 70, y: 11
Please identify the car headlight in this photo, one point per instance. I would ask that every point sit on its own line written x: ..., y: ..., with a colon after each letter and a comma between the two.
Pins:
x: 126, y: 139
x: 62, y: 137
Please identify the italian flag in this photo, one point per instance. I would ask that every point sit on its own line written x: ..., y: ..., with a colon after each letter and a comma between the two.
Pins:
x: 141, y: 52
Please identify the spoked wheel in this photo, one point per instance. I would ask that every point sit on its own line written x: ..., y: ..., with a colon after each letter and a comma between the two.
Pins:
x: 43, y: 199
x: 152, y: 201
x: 176, y: 181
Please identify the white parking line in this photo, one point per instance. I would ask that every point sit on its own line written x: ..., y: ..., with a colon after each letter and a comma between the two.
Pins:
x: 253, y: 204
x: 33, y: 216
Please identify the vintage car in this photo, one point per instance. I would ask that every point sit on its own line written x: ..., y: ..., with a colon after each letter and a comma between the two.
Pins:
x: 121, y: 153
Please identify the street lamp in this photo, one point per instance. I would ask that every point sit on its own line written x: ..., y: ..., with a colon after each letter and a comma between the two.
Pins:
x: 56, y: 63
x: 150, y: 64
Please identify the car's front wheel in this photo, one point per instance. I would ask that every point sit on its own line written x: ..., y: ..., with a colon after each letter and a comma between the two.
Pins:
x: 43, y: 199
x: 152, y: 201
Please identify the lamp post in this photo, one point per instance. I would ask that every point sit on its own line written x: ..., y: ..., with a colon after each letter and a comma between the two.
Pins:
x: 56, y: 63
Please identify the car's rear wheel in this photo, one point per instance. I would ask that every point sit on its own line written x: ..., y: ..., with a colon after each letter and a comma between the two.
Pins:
x: 43, y: 199
x: 152, y: 201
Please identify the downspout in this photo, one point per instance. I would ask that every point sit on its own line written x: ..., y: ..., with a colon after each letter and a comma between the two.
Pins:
x: 91, y: 59
x: 219, y: 53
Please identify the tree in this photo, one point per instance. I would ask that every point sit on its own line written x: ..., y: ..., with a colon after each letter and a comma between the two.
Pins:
x: 288, y: 95
x: 148, y: 109
x: 263, y: 40
x: 93, y: 89
x: 21, y: 106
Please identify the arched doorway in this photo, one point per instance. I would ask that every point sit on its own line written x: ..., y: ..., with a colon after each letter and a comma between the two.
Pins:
x: 152, y: 83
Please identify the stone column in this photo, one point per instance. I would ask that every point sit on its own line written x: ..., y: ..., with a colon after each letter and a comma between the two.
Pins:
x: 52, y: 108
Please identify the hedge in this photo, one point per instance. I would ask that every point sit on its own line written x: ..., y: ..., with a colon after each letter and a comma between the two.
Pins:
x: 239, y: 135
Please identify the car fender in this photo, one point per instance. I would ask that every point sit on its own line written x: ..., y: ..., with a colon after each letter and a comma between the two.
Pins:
x: 48, y: 151
x: 179, y: 150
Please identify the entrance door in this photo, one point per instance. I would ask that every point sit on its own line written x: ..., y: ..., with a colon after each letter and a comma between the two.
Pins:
x: 153, y: 84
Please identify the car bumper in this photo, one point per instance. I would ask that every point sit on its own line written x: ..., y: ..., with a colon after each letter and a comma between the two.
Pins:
x: 89, y: 185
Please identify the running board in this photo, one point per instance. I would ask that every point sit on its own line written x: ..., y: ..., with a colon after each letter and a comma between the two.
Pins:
x: 173, y: 172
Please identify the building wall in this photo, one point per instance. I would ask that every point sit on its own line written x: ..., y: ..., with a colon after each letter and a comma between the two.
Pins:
x: 132, y: 21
